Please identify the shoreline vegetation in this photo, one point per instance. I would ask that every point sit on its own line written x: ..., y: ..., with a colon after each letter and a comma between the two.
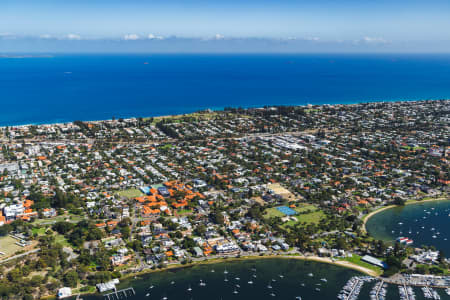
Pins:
x: 366, y: 218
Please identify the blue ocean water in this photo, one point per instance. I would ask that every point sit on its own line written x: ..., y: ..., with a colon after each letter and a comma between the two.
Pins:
x: 93, y: 87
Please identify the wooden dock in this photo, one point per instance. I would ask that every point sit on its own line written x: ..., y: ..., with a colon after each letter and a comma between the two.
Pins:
x: 120, y: 294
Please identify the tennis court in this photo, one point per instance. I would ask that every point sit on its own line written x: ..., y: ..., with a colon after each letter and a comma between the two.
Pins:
x: 287, y: 211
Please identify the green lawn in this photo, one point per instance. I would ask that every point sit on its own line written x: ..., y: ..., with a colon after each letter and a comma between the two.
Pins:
x: 60, y: 239
x: 130, y: 193
x: 273, y: 212
x: 305, y: 207
x: 356, y: 259
x: 184, y: 211
x: 46, y: 221
x: 39, y: 231
x: 312, y: 217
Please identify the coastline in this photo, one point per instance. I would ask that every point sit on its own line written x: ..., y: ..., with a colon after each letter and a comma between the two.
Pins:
x: 366, y: 218
x: 343, y: 264
x: 339, y: 263
x: 213, y: 110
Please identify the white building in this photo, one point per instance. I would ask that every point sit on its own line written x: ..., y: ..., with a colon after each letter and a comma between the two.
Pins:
x: 64, y: 292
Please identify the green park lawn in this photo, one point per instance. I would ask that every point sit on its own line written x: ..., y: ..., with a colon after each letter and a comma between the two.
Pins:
x: 314, y: 216
x: 130, y: 193
x: 356, y: 259
x: 59, y: 238
x: 48, y: 221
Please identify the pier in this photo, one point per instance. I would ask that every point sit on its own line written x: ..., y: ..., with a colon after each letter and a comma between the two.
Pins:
x: 406, y: 292
x: 124, y: 292
x: 380, y: 286
x: 349, y: 296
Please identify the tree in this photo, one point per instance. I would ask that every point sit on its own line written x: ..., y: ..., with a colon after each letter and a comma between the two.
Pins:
x: 71, y: 278
x: 126, y: 232
x: 218, y: 218
x: 399, y: 201
x: 62, y: 227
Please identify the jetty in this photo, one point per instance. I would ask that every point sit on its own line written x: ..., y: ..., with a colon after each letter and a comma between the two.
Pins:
x: 125, y: 293
x: 379, y: 291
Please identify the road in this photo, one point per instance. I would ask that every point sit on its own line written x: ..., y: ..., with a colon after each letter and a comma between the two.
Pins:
x: 150, y: 142
x: 20, y: 255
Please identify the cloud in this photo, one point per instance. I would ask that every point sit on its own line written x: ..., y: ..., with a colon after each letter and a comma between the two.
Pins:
x: 151, y: 36
x: 72, y: 36
x: 131, y: 37
x: 374, y: 40
x: 7, y: 35
x: 45, y: 36
x: 218, y: 36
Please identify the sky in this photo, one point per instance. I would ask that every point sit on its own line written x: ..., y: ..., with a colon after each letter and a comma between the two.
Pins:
x: 240, y: 25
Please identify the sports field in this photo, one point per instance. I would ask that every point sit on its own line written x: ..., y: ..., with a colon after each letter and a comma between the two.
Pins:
x: 130, y: 193
x: 8, y: 246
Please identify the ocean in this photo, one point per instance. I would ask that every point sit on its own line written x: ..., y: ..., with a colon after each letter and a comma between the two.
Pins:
x: 425, y: 223
x: 64, y: 88
x: 295, y: 282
